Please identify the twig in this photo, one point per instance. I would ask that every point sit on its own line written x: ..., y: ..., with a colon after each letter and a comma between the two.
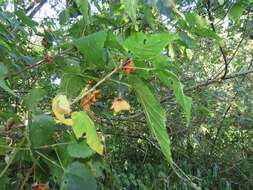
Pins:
x: 27, y: 68
x: 225, y: 115
x: 85, y: 93
x: 201, y: 85
x: 221, y: 48
x: 15, y: 151
x: 35, y: 148
x: 29, y: 172
x: 212, y: 81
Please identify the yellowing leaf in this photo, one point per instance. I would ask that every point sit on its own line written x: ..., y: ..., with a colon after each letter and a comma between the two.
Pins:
x: 61, y: 107
x: 82, y: 123
x: 120, y: 104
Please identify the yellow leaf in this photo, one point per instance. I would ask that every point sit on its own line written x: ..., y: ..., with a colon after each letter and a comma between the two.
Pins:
x: 82, y: 123
x: 61, y: 107
x: 120, y: 104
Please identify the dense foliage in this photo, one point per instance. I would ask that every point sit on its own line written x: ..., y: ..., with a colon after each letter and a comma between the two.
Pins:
x: 126, y: 94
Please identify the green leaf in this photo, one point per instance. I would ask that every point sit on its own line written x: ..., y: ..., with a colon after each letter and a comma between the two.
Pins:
x: 78, y: 177
x: 41, y: 130
x: 149, y: 17
x: 148, y: 46
x: 92, y: 47
x: 155, y: 114
x: 25, y: 19
x: 112, y: 42
x: 3, y: 144
x: 221, y: 2
x: 83, y: 6
x: 167, y: 77
x: 207, y: 33
x: 79, y: 150
x: 189, y: 54
x: 71, y: 84
x: 4, y: 44
x: 236, y: 12
x: 195, y: 20
x: 131, y: 9
x: 83, y: 124
x: 3, y: 73
x: 33, y: 98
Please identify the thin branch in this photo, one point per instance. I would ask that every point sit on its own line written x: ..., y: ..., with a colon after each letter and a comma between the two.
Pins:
x: 85, y: 93
x: 28, y: 68
x: 225, y: 115
x: 221, y: 48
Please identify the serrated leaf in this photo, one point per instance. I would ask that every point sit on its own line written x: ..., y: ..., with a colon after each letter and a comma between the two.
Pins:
x: 79, y: 150
x: 170, y: 80
x: 3, y: 73
x: 33, y: 98
x: 83, y: 124
x: 78, y: 177
x: 92, y: 47
x: 41, y: 130
x: 155, y: 114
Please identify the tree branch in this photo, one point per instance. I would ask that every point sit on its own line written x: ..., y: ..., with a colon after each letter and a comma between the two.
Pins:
x: 220, y: 47
x: 212, y: 81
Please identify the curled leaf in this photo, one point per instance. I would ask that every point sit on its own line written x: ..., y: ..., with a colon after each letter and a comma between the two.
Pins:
x: 61, y: 108
x: 120, y: 104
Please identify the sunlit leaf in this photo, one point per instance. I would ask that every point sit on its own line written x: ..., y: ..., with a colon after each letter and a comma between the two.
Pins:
x: 61, y: 108
x: 83, y: 124
x: 236, y: 11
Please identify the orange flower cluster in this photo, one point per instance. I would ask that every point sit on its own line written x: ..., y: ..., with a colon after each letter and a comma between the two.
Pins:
x: 89, y: 100
x: 48, y: 59
x: 129, y: 67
